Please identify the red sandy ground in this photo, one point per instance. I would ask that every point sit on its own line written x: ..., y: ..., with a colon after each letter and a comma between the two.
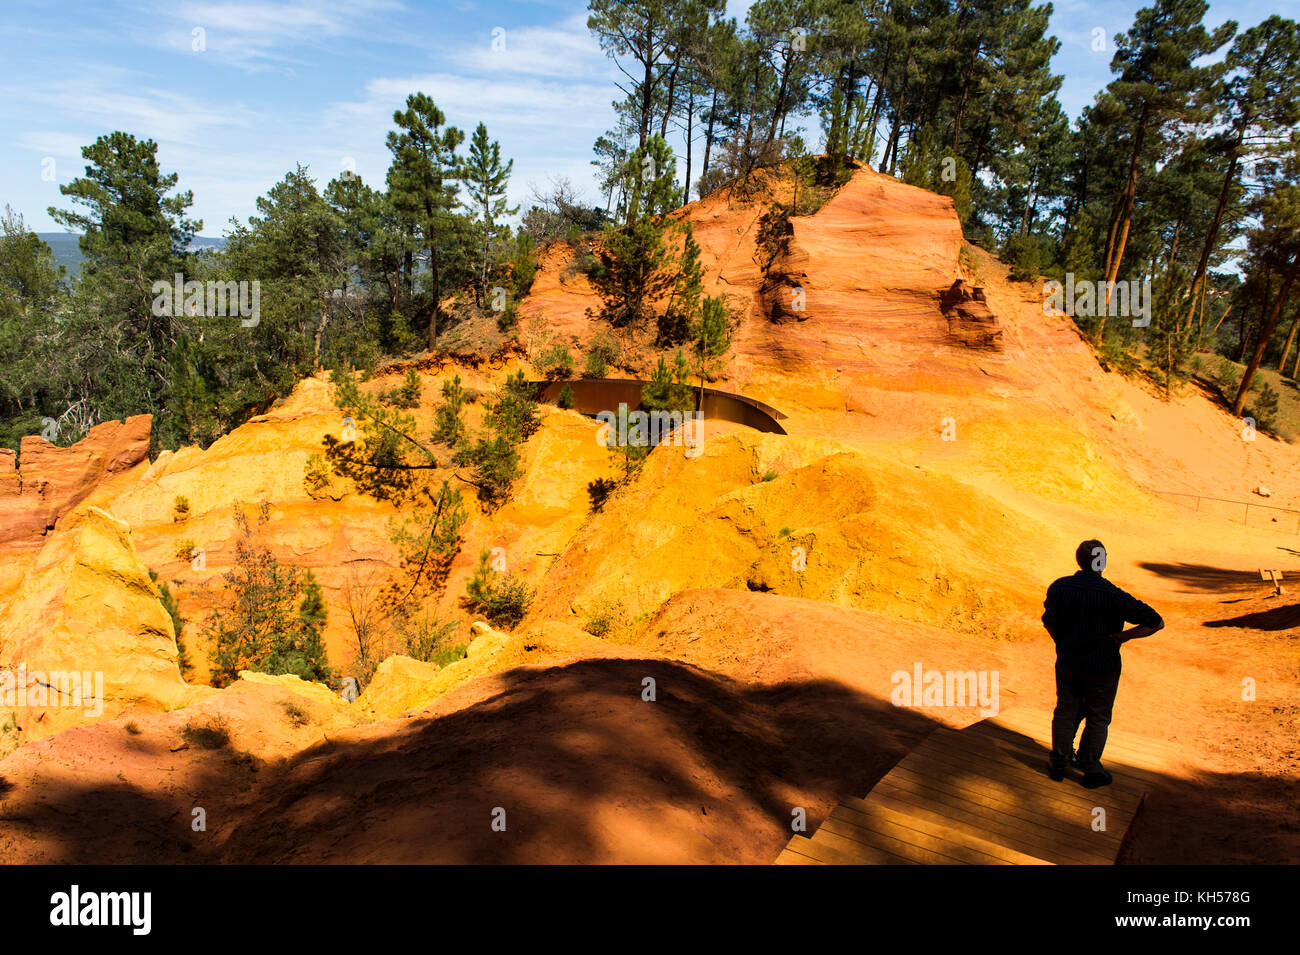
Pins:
x: 785, y: 705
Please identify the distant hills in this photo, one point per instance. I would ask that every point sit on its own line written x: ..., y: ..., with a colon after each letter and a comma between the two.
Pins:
x: 67, y: 253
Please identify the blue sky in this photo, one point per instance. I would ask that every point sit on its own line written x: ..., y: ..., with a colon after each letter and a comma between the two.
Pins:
x: 277, y: 82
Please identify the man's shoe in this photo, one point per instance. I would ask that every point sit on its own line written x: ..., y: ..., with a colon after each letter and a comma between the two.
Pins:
x: 1055, y: 773
x: 1097, y: 780
x: 1074, y: 761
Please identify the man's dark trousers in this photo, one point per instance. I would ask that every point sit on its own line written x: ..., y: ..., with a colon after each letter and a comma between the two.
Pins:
x: 1081, y: 696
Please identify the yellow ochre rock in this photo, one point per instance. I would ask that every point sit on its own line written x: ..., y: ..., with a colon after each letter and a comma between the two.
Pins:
x: 400, y: 683
x: 88, y: 617
x: 317, y: 692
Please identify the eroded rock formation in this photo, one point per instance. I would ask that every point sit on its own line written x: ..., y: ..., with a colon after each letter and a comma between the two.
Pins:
x: 46, y: 481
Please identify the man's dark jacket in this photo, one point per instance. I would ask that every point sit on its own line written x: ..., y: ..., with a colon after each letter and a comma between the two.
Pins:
x: 1083, y: 610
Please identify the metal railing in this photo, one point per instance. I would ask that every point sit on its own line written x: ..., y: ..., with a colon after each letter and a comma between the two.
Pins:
x: 1247, y: 505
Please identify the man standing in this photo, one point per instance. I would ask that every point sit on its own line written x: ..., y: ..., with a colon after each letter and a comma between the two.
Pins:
x: 1085, y: 614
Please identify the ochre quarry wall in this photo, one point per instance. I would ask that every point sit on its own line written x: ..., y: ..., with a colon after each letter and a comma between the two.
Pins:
x: 804, y: 518
x: 859, y: 295
x: 50, y: 480
x: 87, y: 607
x: 871, y: 265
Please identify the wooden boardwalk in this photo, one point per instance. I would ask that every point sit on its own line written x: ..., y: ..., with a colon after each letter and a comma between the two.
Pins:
x: 981, y: 796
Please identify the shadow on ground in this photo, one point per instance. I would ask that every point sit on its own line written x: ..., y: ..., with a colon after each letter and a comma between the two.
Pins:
x: 1204, y: 577
x: 1284, y: 616
x: 581, y: 769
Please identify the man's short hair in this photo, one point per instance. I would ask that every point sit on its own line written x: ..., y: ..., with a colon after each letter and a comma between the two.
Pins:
x: 1087, y: 553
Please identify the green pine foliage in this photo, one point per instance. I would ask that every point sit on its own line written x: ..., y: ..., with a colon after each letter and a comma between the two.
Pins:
x: 555, y: 362
x: 270, y: 617
x: 669, y: 389
x: 422, y: 182
x: 486, y: 178
x: 635, y: 257
x: 602, y: 355
x: 449, y: 419
x: 502, y: 598
x: 1179, y: 171
x: 173, y: 609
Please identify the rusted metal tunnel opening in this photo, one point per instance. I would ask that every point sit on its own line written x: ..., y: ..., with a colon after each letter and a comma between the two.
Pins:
x: 594, y: 395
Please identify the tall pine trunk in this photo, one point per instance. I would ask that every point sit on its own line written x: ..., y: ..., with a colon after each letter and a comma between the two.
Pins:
x: 1202, y: 266
x: 690, y: 120
x: 708, y: 134
x: 1120, y: 230
x: 1290, y: 340
x: 1265, y: 334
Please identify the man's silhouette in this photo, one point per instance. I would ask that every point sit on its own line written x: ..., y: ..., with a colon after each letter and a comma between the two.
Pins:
x: 1085, y: 614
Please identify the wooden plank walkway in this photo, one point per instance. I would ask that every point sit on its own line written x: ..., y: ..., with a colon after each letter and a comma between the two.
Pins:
x: 981, y: 796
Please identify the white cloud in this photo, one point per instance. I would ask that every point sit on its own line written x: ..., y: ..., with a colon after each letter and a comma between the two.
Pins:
x: 566, y: 50
x: 257, y: 36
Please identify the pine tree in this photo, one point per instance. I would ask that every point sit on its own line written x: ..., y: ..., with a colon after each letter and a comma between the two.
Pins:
x: 36, y: 381
x: 1157, y: 86
x: 1277, y: 241
x: 711, y: 339
x: 1264, y: 60
x: 635, y: 257
x: 449, y: 423
x: 270, y: 618
x: 668, y: 389
x: 422, y: 183
x: 485, y: 181
x: 688, y: 286
x: 479, y: 586
x: 133, y: 234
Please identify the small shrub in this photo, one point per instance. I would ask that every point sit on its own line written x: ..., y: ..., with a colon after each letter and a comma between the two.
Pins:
x: 1228, y: 378
x: 448, y: 423
x: 496, y: 465
x: 786, y: 532
x: 1119, y: 357
x: 449, y: 655
x: 316, y: 476
x: 214, y: 734
x: 132, y: 727
x: 508, y: 317
x: 606, y: 617
x: 565, y: 400
x: 514, y: 414
x: 185, y: 549
x: 479, y: 584
x: 270, y: 617
x: 770, y: 476
x: 603, y: 353
x: 180, y: 508
x: 555, y: 362
x: 296, y: 714
x: 504, y: 602
x: 424, y: 636
x: 1024, y: 254
x: 168, y: 601
x: 1264, y: 408
x: 508, y: 602
x: 407, y: 394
